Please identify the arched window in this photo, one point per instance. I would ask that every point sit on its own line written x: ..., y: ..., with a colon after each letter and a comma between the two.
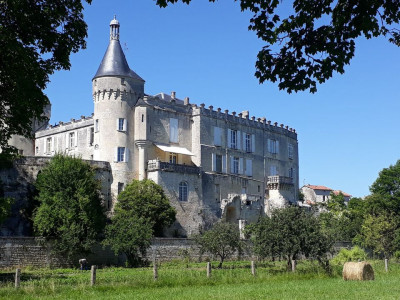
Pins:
x: 183, y: 191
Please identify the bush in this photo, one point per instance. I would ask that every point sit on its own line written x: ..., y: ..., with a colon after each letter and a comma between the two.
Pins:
x: 354, y: 254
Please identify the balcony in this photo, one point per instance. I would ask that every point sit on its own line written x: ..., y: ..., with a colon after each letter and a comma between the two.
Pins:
x: 279, y: 182
x: 157, y: 165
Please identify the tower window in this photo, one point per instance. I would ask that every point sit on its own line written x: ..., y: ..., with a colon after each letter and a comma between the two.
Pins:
x: 96, y: 125
x: 72, y: 138
x: 121, y: 154
x: 91, y: 138
x: 183, y: 191
x: 121, y: 187
x: 121, y: 124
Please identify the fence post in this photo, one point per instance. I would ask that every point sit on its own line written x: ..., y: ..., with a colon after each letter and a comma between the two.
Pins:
x: 208, y: 269
x: 253, y: 268
x: 93, y: 275
x: 293, y: 265
x: 155, y: 271
x: 17, y: 277
x: 386, y: 265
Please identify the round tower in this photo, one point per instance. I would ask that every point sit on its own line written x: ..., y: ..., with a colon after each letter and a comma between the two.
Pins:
x: 116, y: 89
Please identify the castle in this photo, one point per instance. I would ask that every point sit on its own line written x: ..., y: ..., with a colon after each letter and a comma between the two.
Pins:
x: 211, y: 163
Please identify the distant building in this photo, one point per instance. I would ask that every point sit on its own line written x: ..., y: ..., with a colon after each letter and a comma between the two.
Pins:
x: 211, y: 163
x: 314, y: 194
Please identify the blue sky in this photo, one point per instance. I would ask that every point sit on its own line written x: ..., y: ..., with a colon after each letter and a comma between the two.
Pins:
x: 347, y: 131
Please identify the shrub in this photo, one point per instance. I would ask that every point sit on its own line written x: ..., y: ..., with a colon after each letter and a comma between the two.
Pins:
x: 354, y: 254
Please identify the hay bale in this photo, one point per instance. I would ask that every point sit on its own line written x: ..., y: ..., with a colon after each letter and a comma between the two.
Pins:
x: 358, y: 271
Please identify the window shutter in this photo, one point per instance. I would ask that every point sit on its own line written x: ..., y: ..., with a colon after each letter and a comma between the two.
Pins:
x: 253, y: 143
x: 241, y: 165
x: 269, y: 145
x: 249, y: 167
x: 217, y: 136
x: 88, y: 136
x: 115, y: 154
x: 239, y: 141
x: 125, y: 125
x: 277, y: 147
x: 76, y: 138
x: 126, y: 155
x: 229, y: 138
x: 214, y: 162
x: 224, y: 163
x: 67, y: 140
x: 231, y: 161
x: 52, y: 144
x: 117, y: 124
x: 173, y: 130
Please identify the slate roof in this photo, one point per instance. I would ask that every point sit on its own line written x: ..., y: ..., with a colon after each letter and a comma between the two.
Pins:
x: 114, y: 63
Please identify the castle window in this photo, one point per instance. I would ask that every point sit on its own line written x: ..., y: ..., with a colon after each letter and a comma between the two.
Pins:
x: 20, y: 152
x: 173, y: 130
x: 142, y: 118
x: 37, y: 150
x: 218, y: 163
x: 233, y: 139
x: 121, y: 187
x: 273, y: 170
x: 183, y: 191
x: 290, y: 151
x: 48, y: 145
x: 235, y: 165
x: 91, y: 136
x: 291, y: 173
x: 72, y: 140
x: 273, y: 146
x: 123, y: 81
x: 172, y: 158
x: 96, y: 125
x: 121, y: 154
x: 121, y: 124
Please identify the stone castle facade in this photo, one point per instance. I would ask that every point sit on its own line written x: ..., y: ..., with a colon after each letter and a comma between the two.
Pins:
x: 211, y: 163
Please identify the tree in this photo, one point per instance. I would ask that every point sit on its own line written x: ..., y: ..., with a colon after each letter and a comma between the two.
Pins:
x: 128, y: 234
x: 5, y: 204
x: 146, y: 200
x: 290, y: 232
x: 381, y: 233
x: 70, y: 212
x: 36, y: 39
x: 315, y: 40
x: 385, y: 191
x: 223, y: 240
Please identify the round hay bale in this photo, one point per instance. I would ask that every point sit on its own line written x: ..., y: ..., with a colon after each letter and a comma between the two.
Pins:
x: 358, y: 271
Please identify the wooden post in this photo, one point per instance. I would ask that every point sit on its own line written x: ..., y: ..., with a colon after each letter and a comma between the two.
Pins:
x: 155, y: 271
x: 253, y: 268
x: 386, y: 265
x: 17, y: 277
x: 208, y: 269
x: 93, y: 275
x: 293, y: 265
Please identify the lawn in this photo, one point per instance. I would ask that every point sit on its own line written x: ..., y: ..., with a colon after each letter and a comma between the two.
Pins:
x: 182, y: 281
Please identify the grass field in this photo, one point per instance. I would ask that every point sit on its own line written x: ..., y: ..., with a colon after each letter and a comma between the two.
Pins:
x: 181, y: 281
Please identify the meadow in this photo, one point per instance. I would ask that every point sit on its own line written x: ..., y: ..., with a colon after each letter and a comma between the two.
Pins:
x: 179, y: 280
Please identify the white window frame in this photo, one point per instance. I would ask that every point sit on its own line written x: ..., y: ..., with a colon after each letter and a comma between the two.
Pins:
x: 121, y: 154
x: 48, y: 144
x: 183, y: 191
x: 273, y: 146
x: 72, y: 140
x: 121, y: 124
x: 235, y: 161
x: 173, y: 158
x: 233, y: 139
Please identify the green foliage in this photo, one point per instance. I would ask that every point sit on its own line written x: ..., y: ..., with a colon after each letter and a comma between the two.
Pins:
x: 36, y: 39
x: 223, y: 240
x: 316, y: 39
x: 146, y: 200
x: 70, y: 211
x: 141, y: 211
x: 381, y: 233
x: 290, y: 232
x: 354, y: 254
x: 130, y: 235
x: 336, y: 203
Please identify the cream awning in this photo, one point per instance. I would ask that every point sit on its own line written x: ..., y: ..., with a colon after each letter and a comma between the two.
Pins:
x: 174, y: 149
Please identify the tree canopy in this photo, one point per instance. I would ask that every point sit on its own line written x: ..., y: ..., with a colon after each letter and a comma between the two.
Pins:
x: 315, y: 39
x: 223, y: 240
x: 36, y: 39
x: 146, y: 200
x: 70, y: 212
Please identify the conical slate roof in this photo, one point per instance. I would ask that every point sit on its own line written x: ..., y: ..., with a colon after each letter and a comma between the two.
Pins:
x: 114, y: 63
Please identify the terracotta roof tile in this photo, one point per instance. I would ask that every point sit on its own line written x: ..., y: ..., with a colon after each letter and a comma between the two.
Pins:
x: 339, y: 191
x: 318, y: 187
